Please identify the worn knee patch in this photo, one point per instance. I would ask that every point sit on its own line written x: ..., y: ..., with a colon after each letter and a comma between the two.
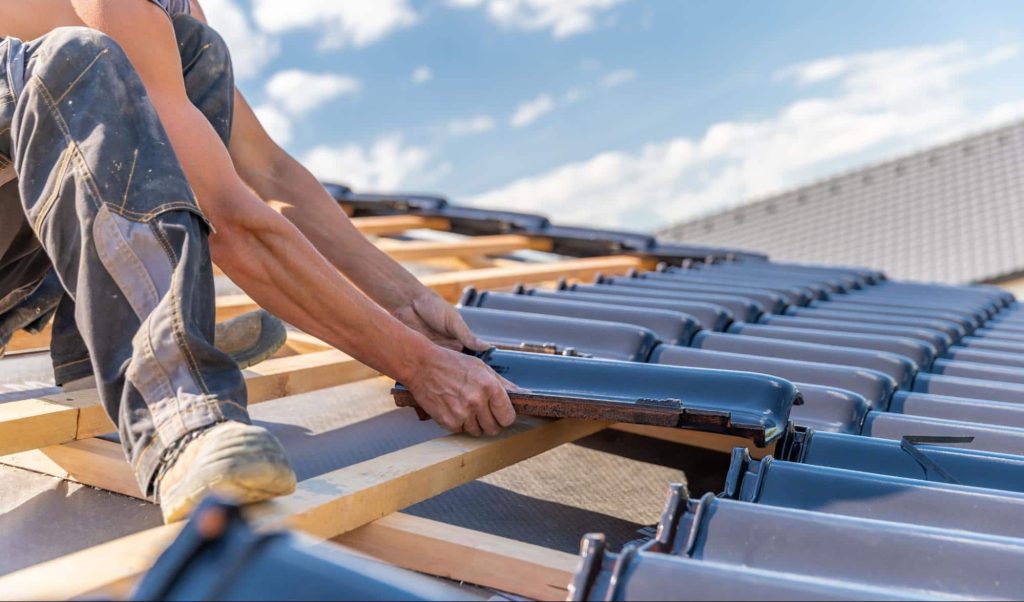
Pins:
x: 77, y: 50
x: 162, y: 368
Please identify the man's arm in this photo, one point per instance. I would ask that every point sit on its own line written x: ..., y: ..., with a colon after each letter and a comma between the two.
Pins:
x: 293, y: 191
x: 270, y: 259
x: 290, y: 189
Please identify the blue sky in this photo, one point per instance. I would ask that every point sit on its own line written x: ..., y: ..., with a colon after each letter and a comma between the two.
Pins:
x: 618, y: 113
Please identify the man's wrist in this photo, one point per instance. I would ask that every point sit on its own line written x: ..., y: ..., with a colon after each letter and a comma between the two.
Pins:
x: 413, y: 353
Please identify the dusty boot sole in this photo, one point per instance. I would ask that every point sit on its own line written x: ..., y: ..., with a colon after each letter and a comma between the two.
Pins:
x: 272, y: 337
x: 247, y: 469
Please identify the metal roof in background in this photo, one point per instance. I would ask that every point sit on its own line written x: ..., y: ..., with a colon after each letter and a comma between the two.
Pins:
x: 952, y: 214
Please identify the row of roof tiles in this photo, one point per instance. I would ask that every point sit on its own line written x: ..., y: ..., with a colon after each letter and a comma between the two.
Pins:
x: 862, y: 385
x: 896, y: 410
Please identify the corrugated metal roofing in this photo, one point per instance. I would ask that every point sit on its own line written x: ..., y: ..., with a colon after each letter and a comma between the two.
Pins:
x: 950, y: 214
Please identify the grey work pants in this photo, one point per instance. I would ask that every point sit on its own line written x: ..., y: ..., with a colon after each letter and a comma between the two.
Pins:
x: 101, y: 189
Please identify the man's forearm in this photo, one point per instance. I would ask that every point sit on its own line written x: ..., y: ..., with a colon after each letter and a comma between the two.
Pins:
x: 297, y: 195
x: 271, y: 260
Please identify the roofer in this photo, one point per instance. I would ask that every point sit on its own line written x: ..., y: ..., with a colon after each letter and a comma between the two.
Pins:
x: 128, y: 160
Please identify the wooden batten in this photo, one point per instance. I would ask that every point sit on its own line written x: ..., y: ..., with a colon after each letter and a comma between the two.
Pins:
x: 397, y: 224
x: 37, y: 423
x: 325, y: 507
x: 711, y: 441
x: 478, y: 246
x: 459, y: 554
x: 450, y: 286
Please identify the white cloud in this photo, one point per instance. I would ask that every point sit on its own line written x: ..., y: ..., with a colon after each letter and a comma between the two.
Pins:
x: 386, y: 165
x: 251, y: 49
x: 1005, y: 112
x: 532, y: 110
x: 299, y: 92
x: 573, y: 95
x: 422, y: 75
x: 1002, y: 53
x: 877, y: 103
x: 563, y: 18
x: 815, y: 71
x: 618, y: 77
x: 477, y: 124
x: 356, y: 23
x: 277, y: 124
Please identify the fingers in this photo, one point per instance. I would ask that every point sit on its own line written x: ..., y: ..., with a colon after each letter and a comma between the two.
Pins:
x: 461, y: 331
x: 446, y: 419
x: 487, y: 421
x: 511, y: 386
x: 472, y: 427
x: 501, y: 407
x: 451, y: 345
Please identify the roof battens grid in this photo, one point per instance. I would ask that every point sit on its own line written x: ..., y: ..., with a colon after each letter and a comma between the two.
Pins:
x: 571, y: 241
x: 37, y: 423
x: 325, y: 506
x: 861, y: 349
x: 449, y: 286
x: 274, y: 565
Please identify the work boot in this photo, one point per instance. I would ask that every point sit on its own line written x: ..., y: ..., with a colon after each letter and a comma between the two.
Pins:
x: 251, y: 338
x: 33, y: 313
x: 243, y: 463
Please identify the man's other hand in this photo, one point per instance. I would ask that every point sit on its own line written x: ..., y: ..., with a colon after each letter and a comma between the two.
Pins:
x: 462, y: 393
x: 432, y: 316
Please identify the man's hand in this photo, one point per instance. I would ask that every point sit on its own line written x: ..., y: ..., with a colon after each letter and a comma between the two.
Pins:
x: 432, y: 316
x: 462, y: 393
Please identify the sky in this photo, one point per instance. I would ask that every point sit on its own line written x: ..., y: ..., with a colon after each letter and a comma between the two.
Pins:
x: 633, y: 114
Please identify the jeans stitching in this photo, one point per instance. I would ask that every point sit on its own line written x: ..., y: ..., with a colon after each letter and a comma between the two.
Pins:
x: 199, y: 55
x: 44, y: 211
x: 67, y: 364
x: 177, y: 322
x: 131, y: 176
x: 86, y: 174
x: 147, y: 350
x: 81, y: 75
x: 58, y: 118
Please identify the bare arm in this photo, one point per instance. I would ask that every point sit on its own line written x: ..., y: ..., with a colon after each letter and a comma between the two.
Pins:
x: 270, y: 259
x: 293, y: 191
x: 290, y: 189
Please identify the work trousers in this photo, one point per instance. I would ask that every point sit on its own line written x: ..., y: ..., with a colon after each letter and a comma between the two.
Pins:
x: 102, y: 190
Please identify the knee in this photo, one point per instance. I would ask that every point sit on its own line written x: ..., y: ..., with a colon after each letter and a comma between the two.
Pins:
x: 70, y: 52
x: 201, y: 46
x: 76, y: 42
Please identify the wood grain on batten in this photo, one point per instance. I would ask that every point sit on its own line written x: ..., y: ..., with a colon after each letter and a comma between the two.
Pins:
x: 414, y: 543
x: 326, y: 506
x: 460, y: 554
x: 711, y: 441
x: 477, y: 246
x: 450, y: 285
x: 36, y: 423
x: 397, y: 224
